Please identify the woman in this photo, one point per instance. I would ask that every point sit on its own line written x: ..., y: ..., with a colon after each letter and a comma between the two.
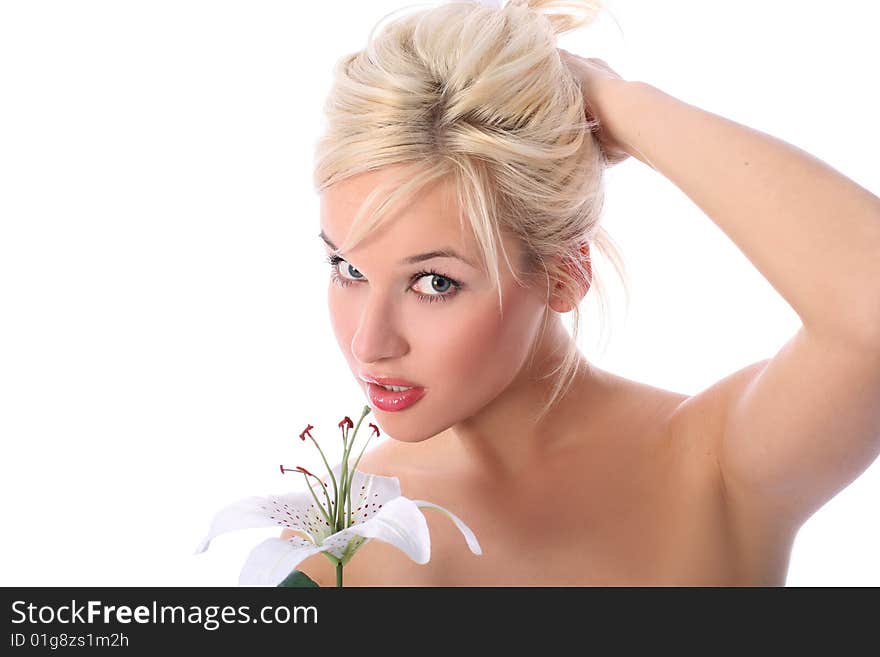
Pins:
x: 490, y: 144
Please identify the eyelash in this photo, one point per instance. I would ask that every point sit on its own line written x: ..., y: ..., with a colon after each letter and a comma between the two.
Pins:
x: 334, y: 260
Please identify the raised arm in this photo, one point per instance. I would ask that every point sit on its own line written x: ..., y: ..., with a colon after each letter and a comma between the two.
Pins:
x: 801, y: 426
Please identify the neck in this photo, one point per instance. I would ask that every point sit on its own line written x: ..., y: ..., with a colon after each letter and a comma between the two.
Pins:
x: 503, y: 440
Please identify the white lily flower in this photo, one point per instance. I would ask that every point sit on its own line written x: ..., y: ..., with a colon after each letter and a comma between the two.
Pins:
x: 382, y: 513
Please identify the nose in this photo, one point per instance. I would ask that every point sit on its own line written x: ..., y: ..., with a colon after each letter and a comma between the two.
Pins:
x: 377, y: 336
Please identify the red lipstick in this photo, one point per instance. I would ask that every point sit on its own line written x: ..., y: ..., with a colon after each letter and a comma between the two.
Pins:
x: 390, y: 400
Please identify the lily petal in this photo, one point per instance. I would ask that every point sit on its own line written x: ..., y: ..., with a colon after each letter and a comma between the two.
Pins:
x: 296, y: 511
x: 368, y: 487
x: 244, y: 514
x: 469, y: 536
x: 274, y: 559
x: 369, y: 492
x: 401, y: 524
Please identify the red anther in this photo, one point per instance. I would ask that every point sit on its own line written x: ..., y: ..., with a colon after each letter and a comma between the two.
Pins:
x: 346, y: 421
x: 283, y: 469
x: 306, y: 431
x: 375, y: 428
x: 302, y: 469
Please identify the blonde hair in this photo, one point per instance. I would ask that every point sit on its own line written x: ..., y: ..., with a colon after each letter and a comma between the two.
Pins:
x: 480, y: 97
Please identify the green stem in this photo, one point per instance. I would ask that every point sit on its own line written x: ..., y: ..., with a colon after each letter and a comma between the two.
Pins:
x: 339, y: 575
x: 317, y: 503
x: 346, y: 484
x: 343, y: 471
x: 340, y: 500
x: 329, y: 469
x: 347, y: 491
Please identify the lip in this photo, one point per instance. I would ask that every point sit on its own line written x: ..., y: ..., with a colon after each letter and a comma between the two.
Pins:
x: 389, y: 381
x: 390, y: 401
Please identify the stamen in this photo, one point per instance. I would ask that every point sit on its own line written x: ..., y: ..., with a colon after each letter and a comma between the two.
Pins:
x: 302, y: 469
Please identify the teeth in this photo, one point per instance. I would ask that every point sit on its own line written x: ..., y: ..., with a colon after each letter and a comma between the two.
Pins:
x: 396, y: 388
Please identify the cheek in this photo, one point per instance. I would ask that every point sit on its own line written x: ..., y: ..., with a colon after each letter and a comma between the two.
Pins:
x: 466, y: 340
x: 482, y: 347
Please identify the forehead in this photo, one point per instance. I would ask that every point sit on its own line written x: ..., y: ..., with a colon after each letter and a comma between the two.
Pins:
x: 430, y: 215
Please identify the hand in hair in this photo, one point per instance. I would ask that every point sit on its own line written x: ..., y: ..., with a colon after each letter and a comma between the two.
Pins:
x: 597, y: 79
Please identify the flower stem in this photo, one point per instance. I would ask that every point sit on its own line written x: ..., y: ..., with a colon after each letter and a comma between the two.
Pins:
x: 346, y: 473
x: 329, y: 469
x: 317, y: 503
x: 339, y: 575
x: 346, y: 489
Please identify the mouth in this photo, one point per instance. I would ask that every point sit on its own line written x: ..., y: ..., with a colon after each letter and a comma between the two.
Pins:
x: 391, y: 384
x: 394, y: 399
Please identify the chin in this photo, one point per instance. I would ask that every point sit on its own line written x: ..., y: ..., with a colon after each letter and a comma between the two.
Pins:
x: 401, y: 434
x: 408, y: 439
x: 404, y: 428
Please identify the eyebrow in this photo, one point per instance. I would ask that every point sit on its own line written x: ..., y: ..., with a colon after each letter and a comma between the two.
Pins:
x: 445, y: 252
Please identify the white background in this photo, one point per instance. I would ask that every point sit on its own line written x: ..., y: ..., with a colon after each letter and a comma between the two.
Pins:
x: 164, y: 334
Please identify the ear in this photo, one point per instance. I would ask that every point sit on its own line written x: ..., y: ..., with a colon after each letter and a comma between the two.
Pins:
x: 557, y: 302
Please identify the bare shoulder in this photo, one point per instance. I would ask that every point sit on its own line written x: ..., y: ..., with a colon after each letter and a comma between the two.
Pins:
x: 697, y: 422
x: 650, y: 413
x: 317, y: 566
x: 380, y: 459
x: 697, y: 426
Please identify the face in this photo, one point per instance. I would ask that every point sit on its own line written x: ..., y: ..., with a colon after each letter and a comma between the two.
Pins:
x: 441, y: 330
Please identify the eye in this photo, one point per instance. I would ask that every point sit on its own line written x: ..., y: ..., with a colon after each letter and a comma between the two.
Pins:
x: 434, y: 281
x: 346, y: 267
x: 445, y: 286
